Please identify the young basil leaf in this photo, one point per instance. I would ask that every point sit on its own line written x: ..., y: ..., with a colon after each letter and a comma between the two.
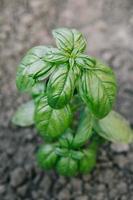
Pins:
x: 97, y: 88
x: 66, y: 139
x: 77, y: 72
x: 46, y: 156
x: 75, y: 68
x: 114, y: 128
x: 79, y: 41
x: 61, y: 86
x: 62, y: 151
x: 51, y: 123
x: 67, y: 166
x: 55, y: 55
x: 77, y: 155
x: 24, y: 115
x: 67, y: 40
x: 87, y: 163
x: 64, y: 39
x: 31, y: 67
x: 84, y: 61
x: 84, y: 131
x: 65, y: 152
x: 71, y: 62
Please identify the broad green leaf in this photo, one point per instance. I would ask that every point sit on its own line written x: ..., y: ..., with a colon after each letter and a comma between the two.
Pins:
x: 61, y: 86
x: 69, y: 39
x: 76, y: 103
x: 88, y: 162
x: 114, y: 128
x: 24, y: 116
x: 46, y: 156
x: 67, y: 166
x: 97, y: 88
x: 51, y: 123
x: 84, y: 131
x: 23, y: 81
x: 45, y: 73
x: 55, y: 55
x: 38, y: 89
x: 64, y: 39
x: 32, y: 67
x: 38, y: 51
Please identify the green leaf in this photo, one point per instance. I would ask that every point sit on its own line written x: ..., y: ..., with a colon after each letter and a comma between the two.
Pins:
x: 69, y: 39
x: 67, y: 166
x: 77, y: 155
x: 55, y: 55
x: 64, y: 39
x: 32, y: 67
x: 76, y: 103
x: 84, y: 131
x: 65, y: 152
x: 66, y: 139
x: 23, y: 81
x: 46, y: 72
x: 114, y: 128
x: 60, y: 86
x: 97, y: 88
x: 46, y: 156
x: 84, y: 61
x: 71, y: 62
x: 38, y: 51
x: 24, y: 115
x: 79, y: 40
x: 38, y: 89
x: 62, y: 151
x: 75, y: 68
x: 77, y: 72
x: 88, y: 162
x: 51, y: 123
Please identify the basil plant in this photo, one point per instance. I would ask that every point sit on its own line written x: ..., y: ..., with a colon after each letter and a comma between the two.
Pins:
x: 73, y: 95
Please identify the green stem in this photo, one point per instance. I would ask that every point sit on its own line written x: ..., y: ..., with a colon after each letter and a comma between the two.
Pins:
x: 96, y: 143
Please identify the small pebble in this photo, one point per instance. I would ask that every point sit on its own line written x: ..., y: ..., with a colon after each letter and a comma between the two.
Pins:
x: 18, y: 177
x: 82, y: 197
x: 119, y: 148
x: 2, y: 189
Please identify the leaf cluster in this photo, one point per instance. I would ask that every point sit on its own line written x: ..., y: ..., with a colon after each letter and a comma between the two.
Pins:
x: 73, y: 95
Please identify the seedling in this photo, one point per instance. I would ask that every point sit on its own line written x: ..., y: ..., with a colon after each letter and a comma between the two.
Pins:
x: 73, y: 95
